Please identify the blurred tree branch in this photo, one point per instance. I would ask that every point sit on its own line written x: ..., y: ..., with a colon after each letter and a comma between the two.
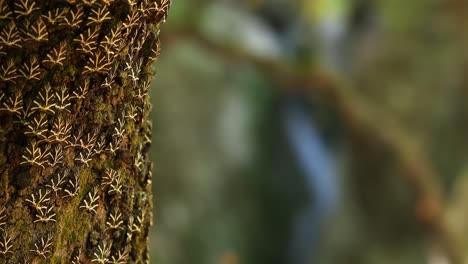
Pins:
x: 354, y: 114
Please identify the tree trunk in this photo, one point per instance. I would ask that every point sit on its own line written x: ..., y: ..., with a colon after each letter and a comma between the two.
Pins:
x: 75, y: 181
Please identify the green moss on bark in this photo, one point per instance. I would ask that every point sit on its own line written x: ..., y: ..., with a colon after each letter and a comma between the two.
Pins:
x: 74, y: 174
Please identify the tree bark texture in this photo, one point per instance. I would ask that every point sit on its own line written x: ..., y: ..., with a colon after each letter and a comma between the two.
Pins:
x: 75, y: 180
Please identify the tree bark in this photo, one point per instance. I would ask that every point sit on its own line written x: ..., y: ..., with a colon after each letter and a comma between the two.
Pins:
x: 75, y: 180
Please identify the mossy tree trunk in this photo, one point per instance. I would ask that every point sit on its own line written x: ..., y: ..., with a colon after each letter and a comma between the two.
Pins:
x: 75, y: 181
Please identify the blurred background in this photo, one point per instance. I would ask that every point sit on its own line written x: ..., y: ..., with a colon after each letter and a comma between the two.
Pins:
x: 311, y: 131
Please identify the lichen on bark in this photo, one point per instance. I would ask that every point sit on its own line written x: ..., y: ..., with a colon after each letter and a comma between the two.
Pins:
x: 75, y: 180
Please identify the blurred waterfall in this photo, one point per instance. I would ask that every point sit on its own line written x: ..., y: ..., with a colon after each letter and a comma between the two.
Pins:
x: 318, y: 167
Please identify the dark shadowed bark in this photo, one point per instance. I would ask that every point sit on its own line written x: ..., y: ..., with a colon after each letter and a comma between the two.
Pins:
x: 75, y: 181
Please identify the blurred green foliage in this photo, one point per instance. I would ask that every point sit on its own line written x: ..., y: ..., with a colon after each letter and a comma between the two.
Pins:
x: 226, y: 183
